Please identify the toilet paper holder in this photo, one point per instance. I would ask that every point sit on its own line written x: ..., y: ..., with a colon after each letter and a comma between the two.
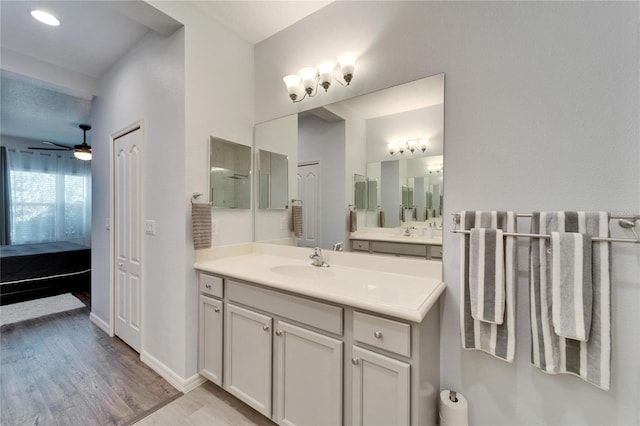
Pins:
x: 453, y: 396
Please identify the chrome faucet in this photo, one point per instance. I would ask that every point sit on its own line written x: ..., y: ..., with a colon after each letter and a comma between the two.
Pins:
x: 316, y: 258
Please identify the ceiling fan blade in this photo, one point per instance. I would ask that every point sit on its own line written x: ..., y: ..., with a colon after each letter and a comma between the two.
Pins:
x: 51, y: 149
x: 56, y: 144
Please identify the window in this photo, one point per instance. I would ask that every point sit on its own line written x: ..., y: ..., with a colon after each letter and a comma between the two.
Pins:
x: 49, y: 198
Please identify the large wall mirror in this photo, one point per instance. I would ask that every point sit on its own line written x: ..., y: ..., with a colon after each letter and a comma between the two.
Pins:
x: 229, y: 174
x: 346, y: 154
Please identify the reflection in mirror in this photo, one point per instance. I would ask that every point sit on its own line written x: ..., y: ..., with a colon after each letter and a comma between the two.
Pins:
x: 352, y: 137
x: 229, y: 172
x: 360, y: 191
x: 273, y: 188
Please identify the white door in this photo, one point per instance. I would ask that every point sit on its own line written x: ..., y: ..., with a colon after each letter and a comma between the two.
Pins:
x: 380, y: 389
x: 127, y: 237
x: 210, y: 341
x: 309, y: 193
x: 247, y: 357
x: 309, y: 377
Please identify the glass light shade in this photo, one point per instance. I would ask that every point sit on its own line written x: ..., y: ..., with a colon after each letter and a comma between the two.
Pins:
x: 309, y: 76
x: 82, y: 155
x: 412, y: 144
x: 326, y: 71
x: 347, y: 63
x: 392, y: 148
x: 45, y: 17
x: 292, y: 82
x: 422, y: 144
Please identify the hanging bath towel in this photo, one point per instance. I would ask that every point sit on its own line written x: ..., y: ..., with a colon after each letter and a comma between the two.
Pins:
x: 590, y: 360
x: 201, y: 225
x: 497, y: 339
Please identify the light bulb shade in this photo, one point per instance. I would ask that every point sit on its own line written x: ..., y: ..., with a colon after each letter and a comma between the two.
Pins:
x: 292, y: 82
x: 309, y: 77
x: 347, y: 63
x: 392, y: 148
x: 82, y: 155
x: 325, y: 70
x: 422, y: 144
x: 45, y: 17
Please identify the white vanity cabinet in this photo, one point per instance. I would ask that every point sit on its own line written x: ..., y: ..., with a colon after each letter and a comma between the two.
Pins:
x: 247, y: 357
x: 308, y: 375
x: 210, y: 328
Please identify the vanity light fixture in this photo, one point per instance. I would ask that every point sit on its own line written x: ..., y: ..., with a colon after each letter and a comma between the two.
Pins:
x: 308, y: 79
x: 411, y: 145
x: 45, y: 18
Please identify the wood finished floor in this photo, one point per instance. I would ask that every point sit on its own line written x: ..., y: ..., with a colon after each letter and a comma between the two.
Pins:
x: 206, y: 405
x: 63, y: 370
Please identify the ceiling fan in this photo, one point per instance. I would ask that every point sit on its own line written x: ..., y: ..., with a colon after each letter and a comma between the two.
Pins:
x: 81, y: 152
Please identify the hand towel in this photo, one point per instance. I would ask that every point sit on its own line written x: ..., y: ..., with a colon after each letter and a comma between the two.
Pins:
x: 414, y: 213
x: 201, y: 225
x: 498, y: 340
x: 571, y: 285
x: 296, y: 220
x: 381, y: 219
x: 403, y: 213
x: 551, y: 353
x: 353, y: 221
x: 486, y: 275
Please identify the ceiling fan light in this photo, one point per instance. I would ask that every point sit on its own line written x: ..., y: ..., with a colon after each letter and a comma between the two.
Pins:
x: 45, y: 18
x: 82, y: 155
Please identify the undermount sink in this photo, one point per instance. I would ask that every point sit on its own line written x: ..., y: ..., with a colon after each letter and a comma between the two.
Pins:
x: 302, y: 271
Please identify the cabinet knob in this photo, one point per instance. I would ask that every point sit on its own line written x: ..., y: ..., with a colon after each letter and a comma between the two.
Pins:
x: 208, y: 286
x: 377, y: 334
x: 355, y: 361
x: 265, y: 327
x: 216, y: 310
x: 279, y: 333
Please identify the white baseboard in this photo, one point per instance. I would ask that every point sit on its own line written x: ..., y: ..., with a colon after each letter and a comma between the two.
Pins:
x: 102, y: 324
x: 183, y: 385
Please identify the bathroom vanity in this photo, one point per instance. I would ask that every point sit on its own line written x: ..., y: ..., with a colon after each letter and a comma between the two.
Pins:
x: 412, y: 242
x: 353, y: 343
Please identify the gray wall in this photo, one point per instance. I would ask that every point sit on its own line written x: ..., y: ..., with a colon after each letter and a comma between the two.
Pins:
x: 324, y: 141
x: 541, y: 113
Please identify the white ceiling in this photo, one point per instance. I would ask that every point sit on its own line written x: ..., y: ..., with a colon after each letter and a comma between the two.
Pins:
x: 92, y: 36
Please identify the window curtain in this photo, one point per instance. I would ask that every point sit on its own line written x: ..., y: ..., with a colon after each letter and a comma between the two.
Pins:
x: 49, y: 197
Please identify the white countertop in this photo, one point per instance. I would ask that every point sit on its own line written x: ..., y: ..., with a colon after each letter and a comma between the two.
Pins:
x: 395, y: 236
x: 402, y: 288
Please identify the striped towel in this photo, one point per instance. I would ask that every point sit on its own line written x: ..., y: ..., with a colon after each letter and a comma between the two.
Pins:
x: 381, y: 219
x: 551, y: 353
x: 201, y: 225
x: 571, y: 285
x: 486, y: 275
x: 496, y: 339
x: 296, y: 220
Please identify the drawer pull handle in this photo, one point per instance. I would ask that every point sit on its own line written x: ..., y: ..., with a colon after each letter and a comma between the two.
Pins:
x: 216, y: 310
x: 377, y: 334
x: 279, y: 333
x: 265, y: 327
x: 208, y: 286
x: 355, y: 361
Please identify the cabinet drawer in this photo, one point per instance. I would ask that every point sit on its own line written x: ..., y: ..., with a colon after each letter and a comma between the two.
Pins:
x: 211, y: 285
x: 382, y: 333
x: 400, y: 248
x: 360, y: 245
x: 320, y: 315
x: 435, y: 252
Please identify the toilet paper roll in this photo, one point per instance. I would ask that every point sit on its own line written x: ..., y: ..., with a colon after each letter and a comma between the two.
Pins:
x: 453, y: 413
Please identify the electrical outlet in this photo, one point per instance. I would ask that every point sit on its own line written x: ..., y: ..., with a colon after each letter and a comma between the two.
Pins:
x: 150, y: 227
x: 214, y: 227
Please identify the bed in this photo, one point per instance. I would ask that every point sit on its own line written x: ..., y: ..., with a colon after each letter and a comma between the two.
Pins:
x: 29, y: 271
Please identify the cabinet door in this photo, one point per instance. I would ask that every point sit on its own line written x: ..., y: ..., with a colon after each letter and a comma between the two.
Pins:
x: 247, y: 357
x: 210, y: 340
x: 380, y: 389
x: 308, y: 377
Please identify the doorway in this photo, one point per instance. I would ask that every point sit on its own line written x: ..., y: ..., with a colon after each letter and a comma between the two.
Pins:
x: 309, y: 194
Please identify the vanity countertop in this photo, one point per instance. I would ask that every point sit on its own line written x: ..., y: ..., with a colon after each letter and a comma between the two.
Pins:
x: 395, y: 236
x: 406, y: 290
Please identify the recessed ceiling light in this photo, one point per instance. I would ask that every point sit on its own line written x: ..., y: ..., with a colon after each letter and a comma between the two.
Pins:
x: 45, y: 17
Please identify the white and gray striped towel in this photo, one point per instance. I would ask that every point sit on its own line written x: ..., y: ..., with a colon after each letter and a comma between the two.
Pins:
x: 296, y: 221
x: 590, y: 360
x: 496, y: 339
x: 486, y: 275
x: 571, y: 285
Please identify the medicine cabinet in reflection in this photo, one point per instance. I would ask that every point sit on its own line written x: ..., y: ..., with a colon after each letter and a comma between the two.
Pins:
x: 273, y: 185
x: 229, y: 174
